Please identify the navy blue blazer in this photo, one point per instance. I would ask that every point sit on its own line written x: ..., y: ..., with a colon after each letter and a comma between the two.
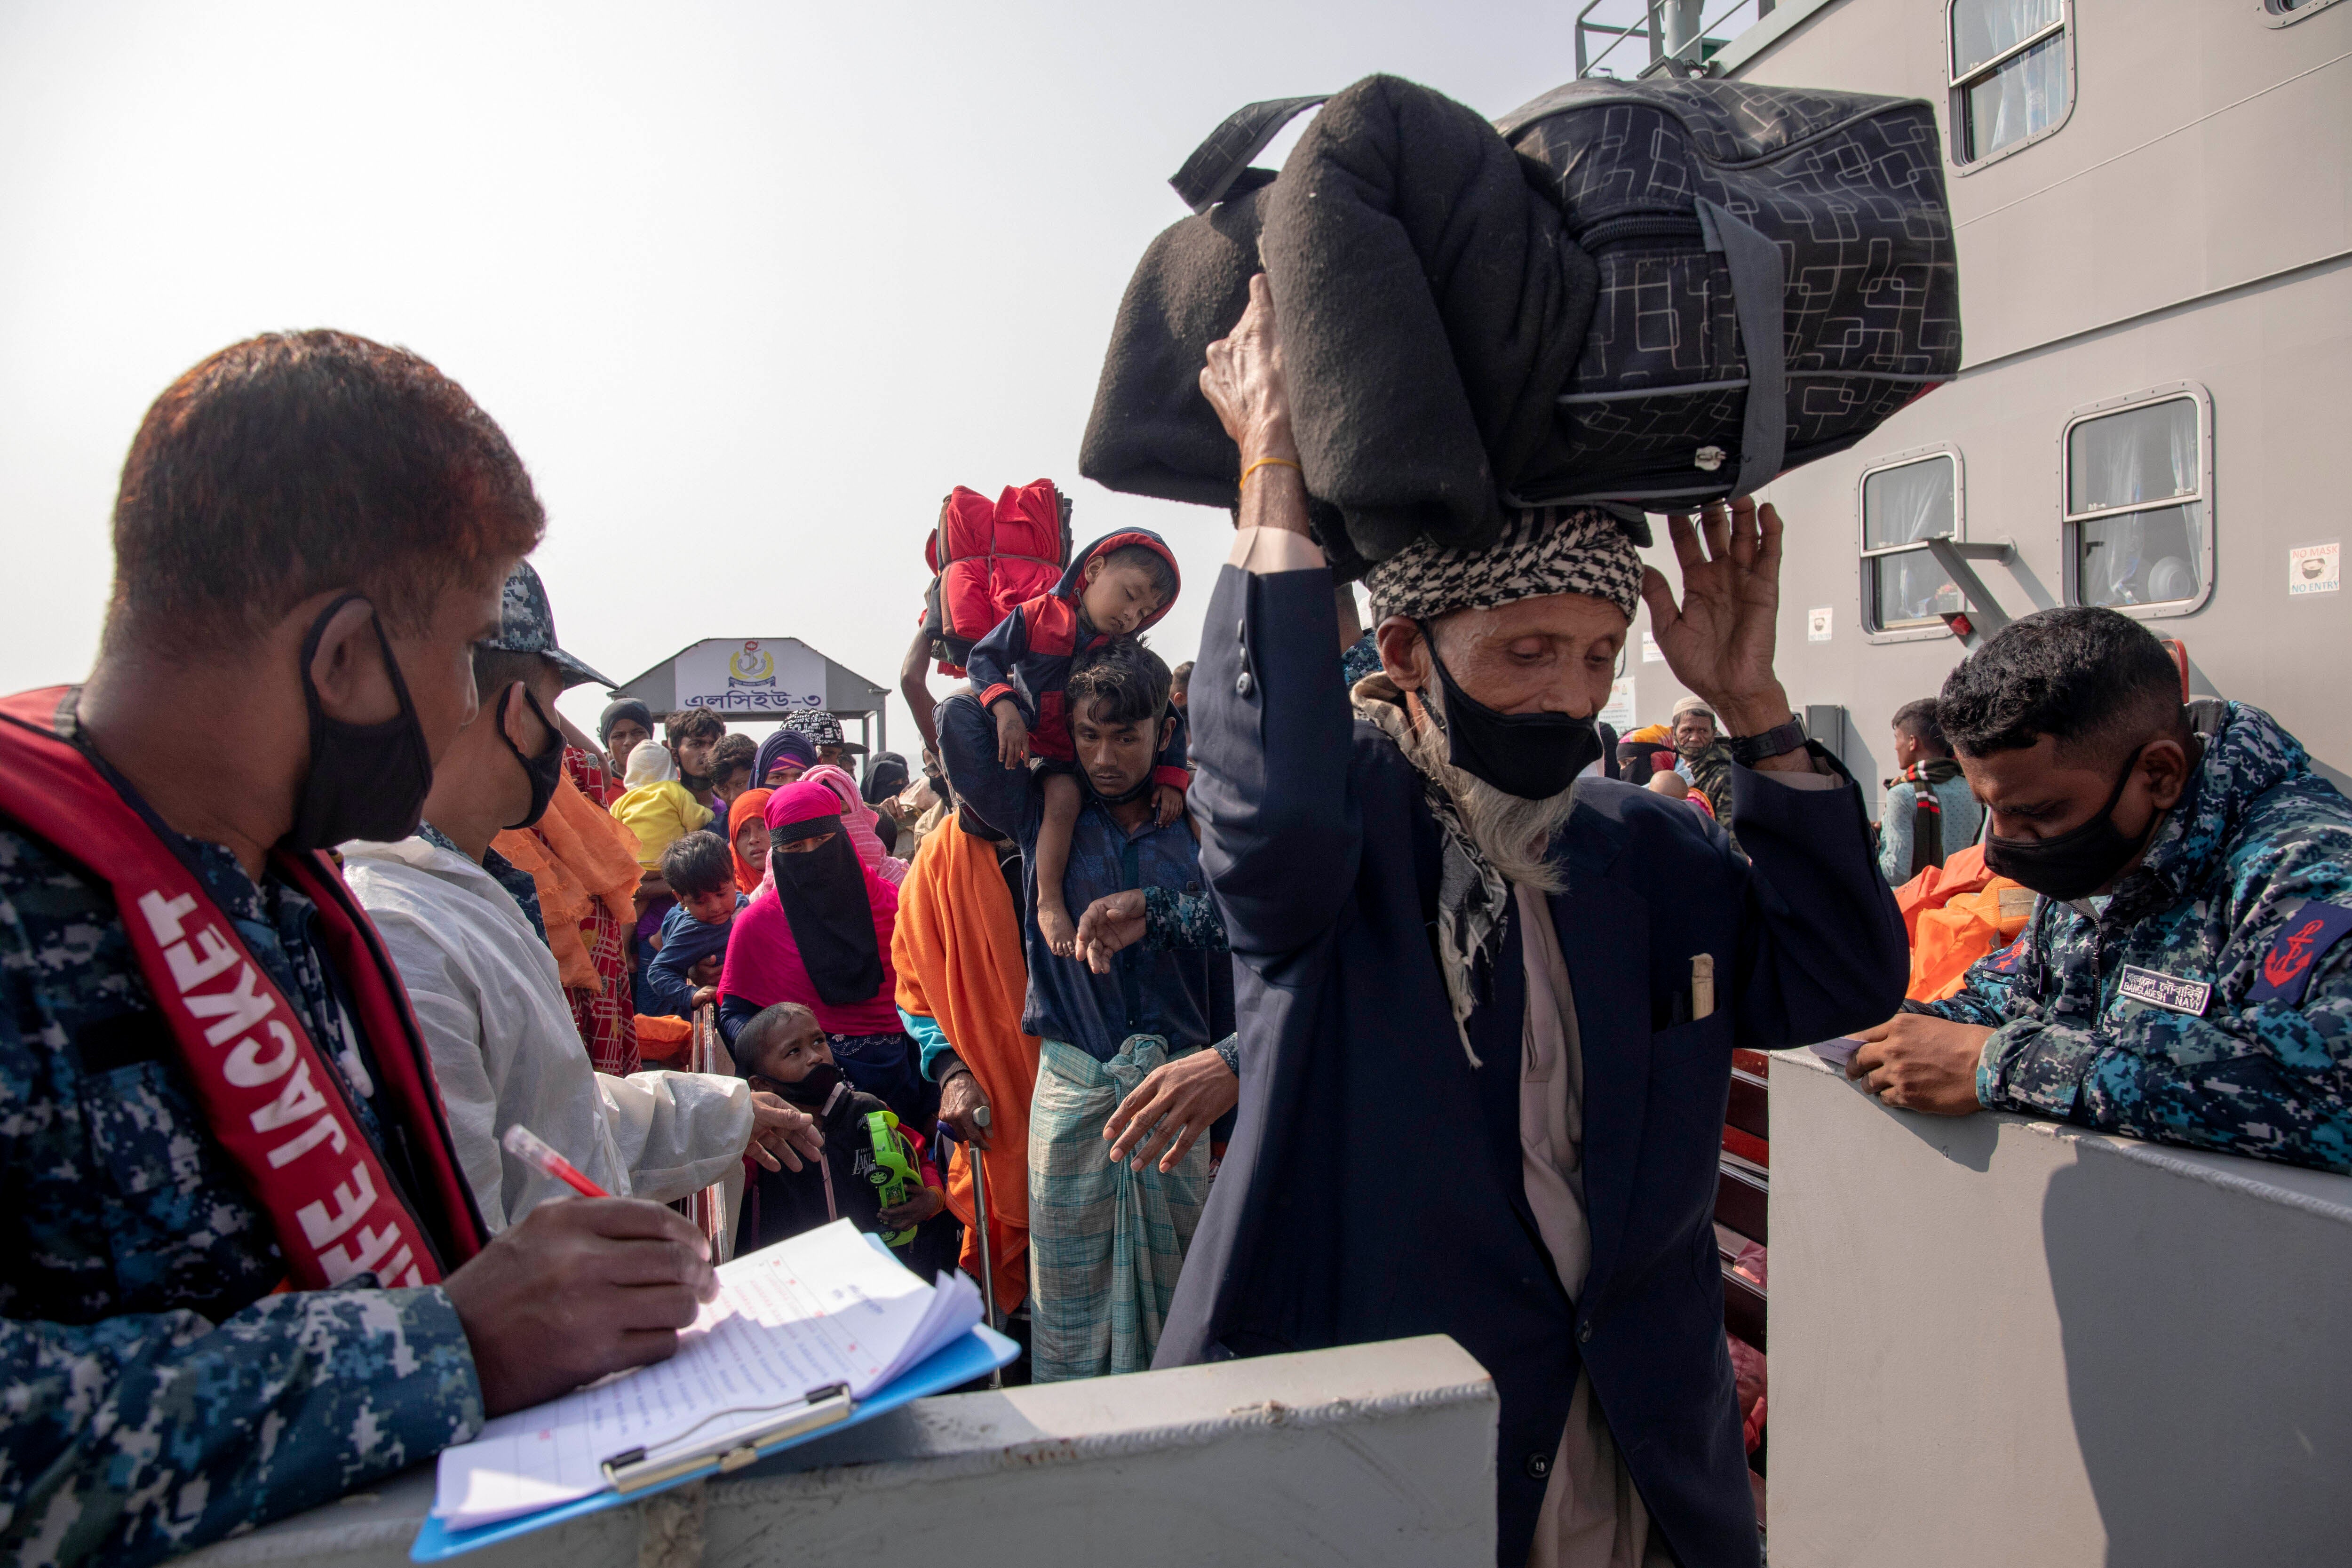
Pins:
x: 1372, y: 1186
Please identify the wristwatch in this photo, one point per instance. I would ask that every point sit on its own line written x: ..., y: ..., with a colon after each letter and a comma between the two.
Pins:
x: 1750, y: 750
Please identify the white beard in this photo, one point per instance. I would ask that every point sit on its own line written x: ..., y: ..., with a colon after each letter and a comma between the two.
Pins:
x: 1509, y: 831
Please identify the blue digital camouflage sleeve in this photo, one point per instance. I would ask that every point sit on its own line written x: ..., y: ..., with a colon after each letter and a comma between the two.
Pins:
x: 134, y: 1438
x: 2261, y: 1078
x: 133, y: 1425
x: 1181, y: 923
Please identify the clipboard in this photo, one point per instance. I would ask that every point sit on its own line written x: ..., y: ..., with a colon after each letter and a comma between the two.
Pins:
x: 974, y: 1356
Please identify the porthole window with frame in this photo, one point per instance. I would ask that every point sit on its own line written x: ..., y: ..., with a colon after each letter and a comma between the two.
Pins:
x: 1906, y: 501
x: 2012, y: 81
x: 2286, y: 13
x: 2136, y: 476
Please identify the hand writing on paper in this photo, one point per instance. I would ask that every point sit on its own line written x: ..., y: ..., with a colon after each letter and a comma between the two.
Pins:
x: 1915, y: 1061
x: 580, y: 1288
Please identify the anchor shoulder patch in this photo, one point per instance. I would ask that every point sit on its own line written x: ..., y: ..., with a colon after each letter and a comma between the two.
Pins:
x: 2302, y: 940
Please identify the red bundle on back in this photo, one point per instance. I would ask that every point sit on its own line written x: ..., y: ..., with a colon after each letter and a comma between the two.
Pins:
x: 988, y: 556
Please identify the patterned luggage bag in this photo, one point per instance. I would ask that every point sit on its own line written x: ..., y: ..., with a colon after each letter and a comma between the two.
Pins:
x: 988, y: 556
x: 1776, y: 277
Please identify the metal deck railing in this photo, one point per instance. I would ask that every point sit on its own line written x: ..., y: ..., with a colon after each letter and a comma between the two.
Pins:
x: 1681, y: 38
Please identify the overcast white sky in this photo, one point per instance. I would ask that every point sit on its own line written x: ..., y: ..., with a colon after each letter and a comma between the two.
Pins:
x: 750, y: 286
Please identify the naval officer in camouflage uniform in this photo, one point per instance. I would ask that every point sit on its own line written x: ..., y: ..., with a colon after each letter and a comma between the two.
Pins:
x: 2184, y: 977
x: 310, y: 536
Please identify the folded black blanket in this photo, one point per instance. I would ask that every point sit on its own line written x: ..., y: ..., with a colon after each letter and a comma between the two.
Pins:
x: 1432, y: 309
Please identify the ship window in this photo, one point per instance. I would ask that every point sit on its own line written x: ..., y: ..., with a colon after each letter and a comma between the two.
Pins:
x: 1903, y: 505
x: 2137, y: 522
x: 2009, y: 74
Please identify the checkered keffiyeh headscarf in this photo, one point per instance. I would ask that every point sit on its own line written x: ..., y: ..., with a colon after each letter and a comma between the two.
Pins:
x: 1544, y: 549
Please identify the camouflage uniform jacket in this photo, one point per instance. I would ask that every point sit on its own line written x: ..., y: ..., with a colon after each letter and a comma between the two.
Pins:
x: 2259, y: 836
x: 157, y: 1395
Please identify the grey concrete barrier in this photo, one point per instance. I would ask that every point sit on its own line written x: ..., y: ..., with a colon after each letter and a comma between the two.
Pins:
x: 2000, y: 1340
x: 1365, y: 1456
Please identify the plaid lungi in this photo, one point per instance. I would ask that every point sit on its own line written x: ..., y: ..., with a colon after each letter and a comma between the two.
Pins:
x: 1106, y: 1241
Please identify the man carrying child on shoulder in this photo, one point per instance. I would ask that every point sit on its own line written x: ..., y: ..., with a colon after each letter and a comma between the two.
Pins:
x: 1107, y: 1238
x: 684, y: 975
x: 1121, y: 585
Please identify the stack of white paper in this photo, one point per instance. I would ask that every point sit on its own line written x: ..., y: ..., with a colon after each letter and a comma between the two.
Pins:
x: 826, y: 1307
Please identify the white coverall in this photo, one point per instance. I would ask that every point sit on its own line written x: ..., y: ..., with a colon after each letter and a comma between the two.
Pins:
x: 505, y: 1048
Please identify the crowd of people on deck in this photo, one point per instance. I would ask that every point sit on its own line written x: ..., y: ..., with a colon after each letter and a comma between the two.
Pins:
x: 1343, y: 984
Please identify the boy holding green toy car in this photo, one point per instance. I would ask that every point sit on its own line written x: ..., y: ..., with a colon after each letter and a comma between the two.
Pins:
x: 873, y: 1172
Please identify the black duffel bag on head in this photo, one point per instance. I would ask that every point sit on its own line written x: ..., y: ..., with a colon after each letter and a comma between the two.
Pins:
x: 1431, y: 311
x: 1561, y: 310
x: 1777, y: 278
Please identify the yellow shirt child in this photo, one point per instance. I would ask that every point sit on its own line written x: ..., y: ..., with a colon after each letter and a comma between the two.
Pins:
x: 659, y: 809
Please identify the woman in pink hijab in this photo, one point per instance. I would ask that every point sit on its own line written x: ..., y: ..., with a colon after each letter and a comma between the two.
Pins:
x: 818, y: 932
x: 858, y: 817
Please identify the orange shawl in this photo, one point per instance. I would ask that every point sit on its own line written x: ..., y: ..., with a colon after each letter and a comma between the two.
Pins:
x: 576, y: 853
x: 957, y: 951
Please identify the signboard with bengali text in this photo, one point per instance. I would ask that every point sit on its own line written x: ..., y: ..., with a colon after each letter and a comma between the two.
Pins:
x: 765, y: 676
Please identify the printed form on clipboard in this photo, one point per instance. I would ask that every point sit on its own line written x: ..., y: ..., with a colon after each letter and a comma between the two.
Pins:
x: 826, y: 1313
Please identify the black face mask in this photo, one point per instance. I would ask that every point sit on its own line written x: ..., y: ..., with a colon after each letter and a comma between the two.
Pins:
x: 2078, y: 862
x: 1142, y: 787
x: 366, y: 781
x: 1532, y: 755
x: 812, y: 1091
x: 545, y: 770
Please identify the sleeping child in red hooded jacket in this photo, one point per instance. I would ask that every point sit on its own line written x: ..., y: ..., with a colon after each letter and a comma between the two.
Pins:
x: 1117, y: 586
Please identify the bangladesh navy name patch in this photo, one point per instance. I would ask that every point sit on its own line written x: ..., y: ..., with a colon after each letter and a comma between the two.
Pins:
x: 2169, y: 992
x: 2296, y: 952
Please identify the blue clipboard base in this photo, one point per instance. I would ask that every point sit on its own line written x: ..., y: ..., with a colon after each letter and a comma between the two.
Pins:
x: 975, y: 1355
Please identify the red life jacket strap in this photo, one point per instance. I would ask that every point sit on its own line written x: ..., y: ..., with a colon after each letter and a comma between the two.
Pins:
x: 264, y: 1085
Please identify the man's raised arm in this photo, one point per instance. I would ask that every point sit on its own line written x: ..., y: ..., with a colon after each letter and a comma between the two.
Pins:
x: 1822, y: 945
x: 1273, y: 736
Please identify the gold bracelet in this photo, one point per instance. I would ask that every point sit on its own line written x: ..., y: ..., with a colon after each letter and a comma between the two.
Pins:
x: 1262, y: 462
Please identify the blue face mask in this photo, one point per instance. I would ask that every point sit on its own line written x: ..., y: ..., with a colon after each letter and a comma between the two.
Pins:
x: 1532, y: 755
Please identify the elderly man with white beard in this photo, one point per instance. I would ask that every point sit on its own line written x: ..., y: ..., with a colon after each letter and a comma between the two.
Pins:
x: 1489, y: 998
